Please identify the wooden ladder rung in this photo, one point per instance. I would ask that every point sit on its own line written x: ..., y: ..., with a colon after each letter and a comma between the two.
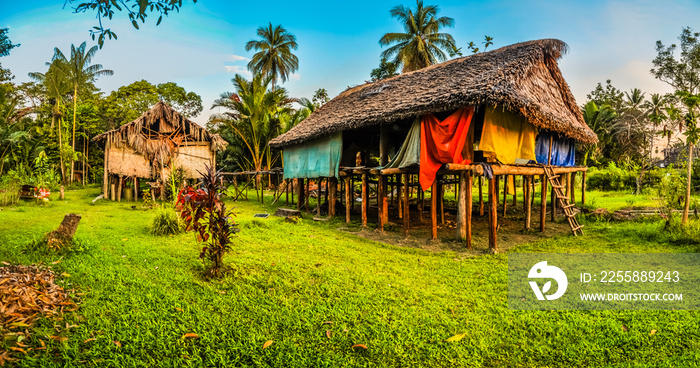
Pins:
x: 569, y: 206
x: 579, y: 227
x: 558, y: 186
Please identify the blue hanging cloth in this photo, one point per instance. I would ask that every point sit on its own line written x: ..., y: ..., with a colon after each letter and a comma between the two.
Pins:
x: 563, y: 150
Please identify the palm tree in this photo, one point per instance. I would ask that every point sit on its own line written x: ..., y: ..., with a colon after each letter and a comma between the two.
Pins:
x: 599, y: 119
x: 274, y: 57
x: 80, y: 73
x: 57, y: 87
x: 421, y: 44
x: 254, y: 115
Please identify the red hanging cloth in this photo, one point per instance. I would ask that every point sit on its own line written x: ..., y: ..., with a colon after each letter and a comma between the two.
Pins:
x: 441, y: 142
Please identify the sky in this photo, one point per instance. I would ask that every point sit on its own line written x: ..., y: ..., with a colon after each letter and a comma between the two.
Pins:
x: 202, y: 47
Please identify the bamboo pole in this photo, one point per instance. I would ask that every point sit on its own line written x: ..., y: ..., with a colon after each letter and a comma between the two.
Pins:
x: 493, y: 216
x: 406, y: 211
x: 433, y: 209
x: 543, y: 201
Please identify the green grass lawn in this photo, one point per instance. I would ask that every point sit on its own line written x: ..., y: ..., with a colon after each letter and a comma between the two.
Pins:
x: 294, y: 282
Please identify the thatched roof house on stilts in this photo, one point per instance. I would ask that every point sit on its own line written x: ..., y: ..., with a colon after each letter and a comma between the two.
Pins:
x: 150, y: 147
x: 498, y: 114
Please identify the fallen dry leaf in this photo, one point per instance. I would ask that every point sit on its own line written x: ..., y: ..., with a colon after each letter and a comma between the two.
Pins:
x: 188, y: 335
x: 267, y: 344
x: 88, y: 340
x: 178, y: 309
x: 328, y: 322
x: 117, y: 343
x: 456, y: 337
x: 624, y: 328
x: 56, y: 262
x: 361, y: 346
x: 328, y: 334
x: 653, y: 332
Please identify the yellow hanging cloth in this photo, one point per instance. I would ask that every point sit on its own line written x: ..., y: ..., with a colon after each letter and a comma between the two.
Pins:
x: 508, y: 134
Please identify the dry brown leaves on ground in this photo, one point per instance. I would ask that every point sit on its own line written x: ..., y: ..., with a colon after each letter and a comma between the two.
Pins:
x: 27, y: 293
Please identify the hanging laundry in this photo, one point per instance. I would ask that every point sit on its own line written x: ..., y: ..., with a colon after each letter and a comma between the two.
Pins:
x: 563, y: 149
x: 409, y: 153
x: 508, y: 134
x: 442, y: 142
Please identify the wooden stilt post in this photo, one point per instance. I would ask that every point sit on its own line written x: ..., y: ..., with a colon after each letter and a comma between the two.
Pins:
x: 300, y: 193
x: 399, y: 190
x: 526, y: 201
x: 493, y: 216
x: 113, y: 188
x: 515, y: 192
x: 307, y: 198
x: 286, y: 191
x: 332, y: 195
x: 406, y: 210
x: 319, y: 183
x: 553, y: 203
x: 567, y: 186
x: 481, y: 196
x: 348, y: 199
x: 543, y: 201
x: 505, y: 194
x: 119, y: 189
x: 573, y: 188
x: 433, y: 209
x: 136, y: 189
x: 464, y: 208
x: 419, y: 201
x: 381, y: 196
x: 365, y: 200
x: 583, y: 188
x: 441, y: 191
x: 105, y: 177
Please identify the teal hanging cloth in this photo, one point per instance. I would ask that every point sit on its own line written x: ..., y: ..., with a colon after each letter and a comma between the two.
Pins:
x: 409, y: 153
x: 314, y: 159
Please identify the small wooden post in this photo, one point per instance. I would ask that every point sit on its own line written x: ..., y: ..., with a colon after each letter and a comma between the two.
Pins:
x: 419, y: 201
x: 119, y: 189
x: 505, y: 193
x: 300, y: 193
x: 332, y: 194
x: 105, y: 176
x: 406, y: 211
x: 481, y: 196
x: 319, y: 182
x: 113, y: 188
x: 399, y: 192
x: 526, y: 201
x: 62, y: 193
x: 433, y: 209
x: 381, y: 197
x: 136, y: 189
x: 568, y: 185
x: 348, y: 199
x: 553, y: 203
x: 515, y: 193
x: 365, y: 199
x: 493, y: 216
x: 307, y: 198
x: 464, y: 208
x: 573, y: 187
x: 543, y: 201
x: 583, y: 188
x: 441, y: 203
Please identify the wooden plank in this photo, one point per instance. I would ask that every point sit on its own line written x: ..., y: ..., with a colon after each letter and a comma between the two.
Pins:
x: 433, y: 209
x: 365, y: 199
x: 406, y: 211
x: 543, y: 201
x: 493, y: 216
x: 348, y: 199
x: 511, y: 169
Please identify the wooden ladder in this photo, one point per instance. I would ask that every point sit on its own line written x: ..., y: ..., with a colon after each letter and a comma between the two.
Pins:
x: 563, y: 199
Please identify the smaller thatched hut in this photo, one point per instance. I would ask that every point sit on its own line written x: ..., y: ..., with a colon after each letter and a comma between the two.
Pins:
x: 158, y: 141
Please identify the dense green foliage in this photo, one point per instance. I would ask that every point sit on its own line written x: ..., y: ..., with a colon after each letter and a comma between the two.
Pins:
x: 294, y: 282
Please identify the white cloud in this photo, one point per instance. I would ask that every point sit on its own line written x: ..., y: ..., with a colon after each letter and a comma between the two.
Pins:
x: 294, y: 77
x: 236, y: 69
x: 237, y: 58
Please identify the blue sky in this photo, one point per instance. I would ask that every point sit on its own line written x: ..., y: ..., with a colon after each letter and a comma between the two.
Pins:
x: 202, y: 47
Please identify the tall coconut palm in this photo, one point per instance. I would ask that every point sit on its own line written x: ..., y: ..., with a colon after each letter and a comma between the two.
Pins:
x: 57, y: 86
x: 599, y: 119
x: 421, y: 44
x: 274, y: 57
x: 80, y: 72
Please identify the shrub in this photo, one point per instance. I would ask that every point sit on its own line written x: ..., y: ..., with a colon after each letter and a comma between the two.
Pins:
x: 205, y: 213
x: 167, y: 222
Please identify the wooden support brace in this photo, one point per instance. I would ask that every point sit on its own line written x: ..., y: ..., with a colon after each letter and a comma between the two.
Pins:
x: 406, y: 210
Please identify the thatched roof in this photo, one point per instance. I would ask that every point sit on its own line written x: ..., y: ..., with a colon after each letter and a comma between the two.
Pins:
x: 158, y: 132
x: 523, y: 77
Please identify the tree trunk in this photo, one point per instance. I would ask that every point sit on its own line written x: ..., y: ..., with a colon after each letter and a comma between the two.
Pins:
x: 75, y: 110
x: 60, y: 153
x: 686, y: 208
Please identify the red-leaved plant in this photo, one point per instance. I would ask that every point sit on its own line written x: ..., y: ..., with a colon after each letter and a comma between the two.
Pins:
x: 205, y: 213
